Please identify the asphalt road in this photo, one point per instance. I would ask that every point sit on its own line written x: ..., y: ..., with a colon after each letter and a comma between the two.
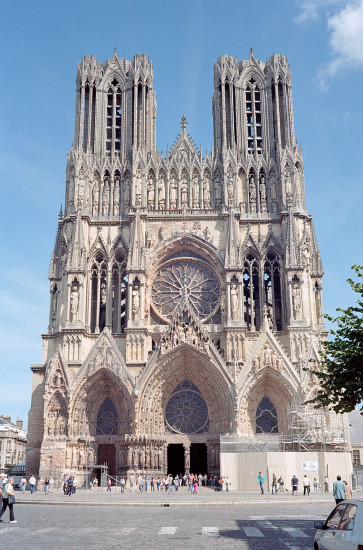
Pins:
x: 247, y: 527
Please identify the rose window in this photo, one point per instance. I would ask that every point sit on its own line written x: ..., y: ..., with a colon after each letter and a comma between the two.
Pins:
x: 186, y: 411
x: 189, y: 280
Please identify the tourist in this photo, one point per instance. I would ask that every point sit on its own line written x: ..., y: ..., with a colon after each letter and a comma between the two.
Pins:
x: 228, y: 483
x: 46, y: 485
x: 274, y: 483
x: 65, y: 483
x: 158, y: 483
x: 195, y: 485
x: 348, y: 491
x: 339, y: 490
x: 152, y: 485
x: 294, y: 484
x: 306, y: 484
x: 2, y: 483
x: 8, y: 499
x: 281, y: 484
x: 70, y: 486
x: 140, y: 483
x: 190, y: 481
x: 122, y: 484
x: 147, y: 482
x: 260, y: 479
x: 108, y: 486
x: 32, y: 484
x: 315, y: 483
x: 132, y: 481
x: 23, y: 484
x: 170, y: 482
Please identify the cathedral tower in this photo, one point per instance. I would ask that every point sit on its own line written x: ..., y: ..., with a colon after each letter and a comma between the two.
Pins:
x: 185, y: 290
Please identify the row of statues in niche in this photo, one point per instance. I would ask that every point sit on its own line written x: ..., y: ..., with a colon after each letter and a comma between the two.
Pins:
x: 109, y: 197
x: 135, y: 457
x: 56, y: 423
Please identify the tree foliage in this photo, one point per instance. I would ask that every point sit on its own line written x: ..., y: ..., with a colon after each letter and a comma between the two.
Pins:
x: 340, y: 368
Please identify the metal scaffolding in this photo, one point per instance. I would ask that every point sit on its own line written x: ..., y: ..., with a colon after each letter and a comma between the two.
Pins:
x: 310, y: 429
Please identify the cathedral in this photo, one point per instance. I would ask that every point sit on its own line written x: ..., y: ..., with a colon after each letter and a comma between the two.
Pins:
x: 185, y: 288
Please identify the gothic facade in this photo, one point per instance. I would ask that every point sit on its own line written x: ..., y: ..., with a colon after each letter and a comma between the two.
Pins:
x: 185, y: 289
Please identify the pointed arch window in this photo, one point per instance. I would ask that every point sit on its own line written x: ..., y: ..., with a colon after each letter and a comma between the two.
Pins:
x: 107, y: 418
x: 114, y: 118
x: 251, y: 293
x: 272, y: 289
x: 253, y: 117
x: 98, y: 294
x: 119, y: 294
x: 266, y: 417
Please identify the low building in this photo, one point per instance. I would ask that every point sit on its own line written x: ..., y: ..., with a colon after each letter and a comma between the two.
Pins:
x: 356, y: 439
x: 12, y: 442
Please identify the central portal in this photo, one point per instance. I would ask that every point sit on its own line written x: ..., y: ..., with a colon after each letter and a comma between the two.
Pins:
x: 198, y: 458
x: 107, y: 455
x: 175, y: 459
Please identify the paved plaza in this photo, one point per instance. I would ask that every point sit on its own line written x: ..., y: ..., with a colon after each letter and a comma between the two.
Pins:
x: 88, y: 521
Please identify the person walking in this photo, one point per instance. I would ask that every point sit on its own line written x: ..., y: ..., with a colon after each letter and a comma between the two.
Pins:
x: 122, y: 484
x: 132, y: 482
x: 70, y: 486
x: 170, y: 482
x: 315, y: 483
x: 32, y: 484
x: 348, y: 491
x: 108, y: 486
x: 65, y: 484
x: 8, y: 495
x: 339, y: 490
x: 281, y: 484
x: 147, y: 482
x: 306, y: 484
x: 23, y: 484
x: 46, y: 485
x: 260, y: 479
x: 228, y: 483
x: 274, y: 483
x: 294, y: 484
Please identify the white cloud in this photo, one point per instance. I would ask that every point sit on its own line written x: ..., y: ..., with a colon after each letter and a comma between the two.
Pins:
x: 310, y: 9
x: 345, y: 29
x: 346, y: 41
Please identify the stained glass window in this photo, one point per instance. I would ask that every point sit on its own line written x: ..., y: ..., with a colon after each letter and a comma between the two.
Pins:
x: 185, y: 279
x: 107, y: 418
x: 266, y: 417
x: 186, y: 411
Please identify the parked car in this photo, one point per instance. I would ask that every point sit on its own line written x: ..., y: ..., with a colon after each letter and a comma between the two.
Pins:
x: 343, y: 529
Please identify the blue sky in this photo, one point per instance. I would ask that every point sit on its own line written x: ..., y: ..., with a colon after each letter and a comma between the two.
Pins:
x: 42, y: 42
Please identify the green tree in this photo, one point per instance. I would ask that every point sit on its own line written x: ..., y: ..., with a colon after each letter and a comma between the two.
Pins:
x: 340, y: 369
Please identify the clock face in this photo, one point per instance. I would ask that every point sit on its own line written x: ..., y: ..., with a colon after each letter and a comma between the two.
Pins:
x: 185, y: 279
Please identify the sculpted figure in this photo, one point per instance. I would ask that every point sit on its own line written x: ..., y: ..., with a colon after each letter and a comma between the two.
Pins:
x: 263, y: 188
x: 74, y: 303
x: 116, y: 198
x: 135, y: 303
x: 105, y: 198
x: 96, y: 198
x: 287, y: 182
x: 218, y: 192
x: 127, y: 192
x: 273, y: 190
x: 161, y: 193
x: 150, y: 194
x: 173, y: 192
x: 184, y: 192
x: 138, y: 187
x: 296, y: 300
x: 234, y: 301
x: 206, y: 193
x: 195, y: 191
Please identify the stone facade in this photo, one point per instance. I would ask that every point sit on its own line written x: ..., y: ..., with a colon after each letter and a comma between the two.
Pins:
x: 185, y: 288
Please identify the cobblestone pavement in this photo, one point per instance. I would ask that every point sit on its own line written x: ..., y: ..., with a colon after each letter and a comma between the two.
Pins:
x: 246, y: 527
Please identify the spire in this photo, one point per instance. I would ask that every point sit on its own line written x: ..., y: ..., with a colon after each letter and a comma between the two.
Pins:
x: 183, y: 124
x: 291, y: 241
x: 76, y: 256
x: 55, y: 267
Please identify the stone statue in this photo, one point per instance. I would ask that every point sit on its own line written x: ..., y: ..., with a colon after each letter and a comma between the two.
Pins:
x: 195, y: 191
x: 273, y: 190
x: 105, y: 198
x: 96, y: 198
x: 80, y: 191
x: 263, y: 188
x: 287, y: 182
x: 296, y: 300
x: 135, y: 303
x: 184, y: 192
x: 142, y: 458
x: 127, y: 192
x: 234, y: 302
x: 186, y: 459
x: 116, y: 198
x: 173, y: 192
x: 252, y: 188
x: 161, y: 193
x: 206, y: 193
x: 150, y: 194
x: 54, y: 302
x: 74, y: 303
x: 138, y: 187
